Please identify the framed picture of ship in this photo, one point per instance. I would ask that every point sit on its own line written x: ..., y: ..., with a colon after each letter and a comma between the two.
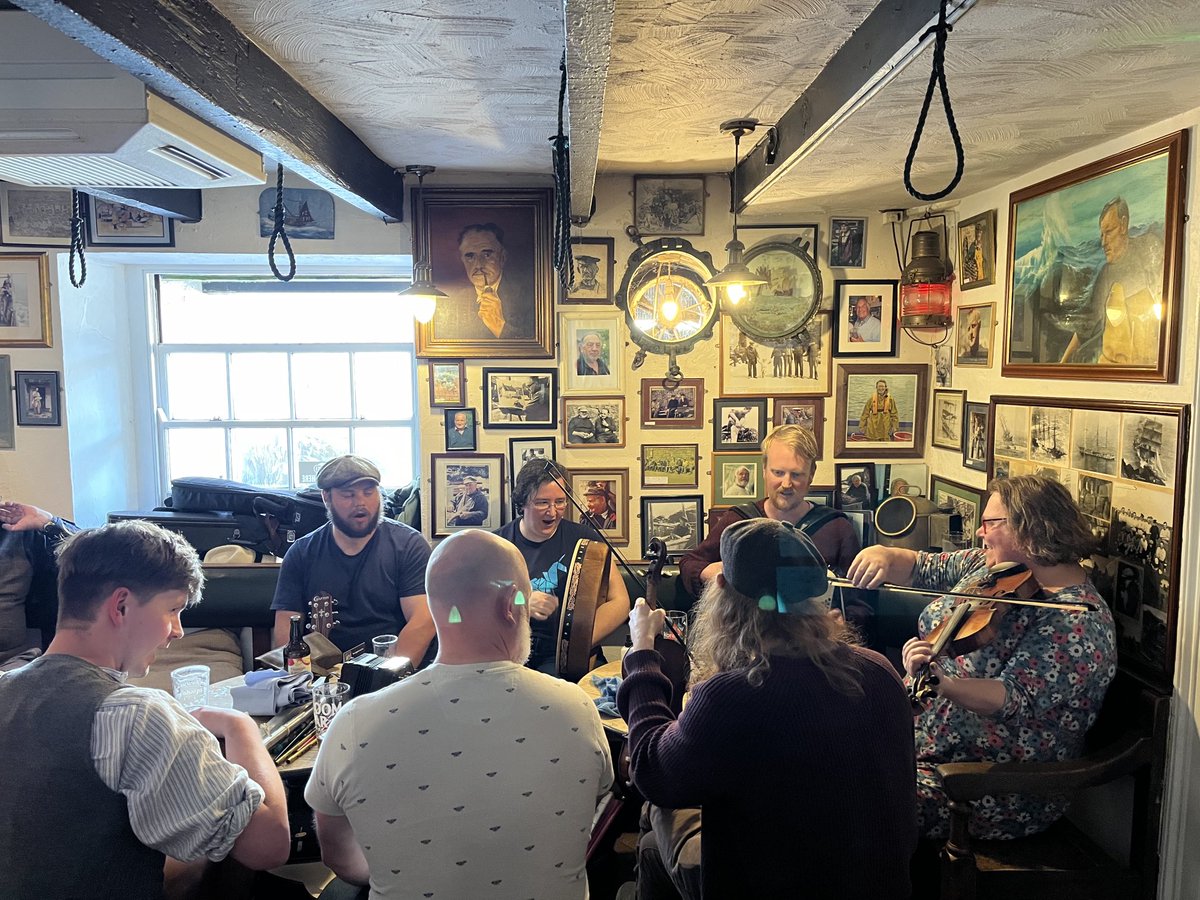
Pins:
x: 676, y: 520
x: 1124, y: 463
x: 307, y: 214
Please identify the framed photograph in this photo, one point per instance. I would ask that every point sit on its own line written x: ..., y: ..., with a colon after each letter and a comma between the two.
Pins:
x: 593, y: 422
x: 807, y: 412
x: 881, y: 410
x: 38, y: 399
x: 975, y: 435
x: 1104, y: 241
x: 902, y: 479
x: 604, y: 493
x: 800, y: 364
x: 670, y: 465
x: 447, y: 383
x: 668, y: 204
x: 592, y: 344
x: 490, y: 253
x: 739, y: 425
x: 968, y: 502
x: 736, y: 478
x: 823, y: 496
x: 307, y: 214
x: 35, y: 216
x: 847, y: 243
x: 856, y: 486
x: 976, y: 334
x: 666, y: 404
x: 111, y: 224
x: 8, y: 429
x: 24, y: 300
x: 466, y: 491
x: 520, y: 398
x: 459, y: 425
x: 943, y: 362
x: 803, y: 236
x: 593, y: 271
x: 525, y: 449
x: 865, y: 320
x: 675, y: 520
x: 977, y: 251
x: 948, y: 419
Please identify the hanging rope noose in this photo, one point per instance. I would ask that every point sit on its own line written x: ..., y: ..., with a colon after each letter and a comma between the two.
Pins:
x: 564, y: 261
x: 938, y: 77
x: 77, y: 241
x: 278, y: 232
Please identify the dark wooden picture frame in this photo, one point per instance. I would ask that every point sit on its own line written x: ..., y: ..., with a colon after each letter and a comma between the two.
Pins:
x: 448, y: 490
x: 524, y: 449
x: 670, y: 466
x: 739, y: 424
x: 39, y: 400
x: 669, y: 204
x: 864, y: 495
x: 469, y: 439
x: 977, y: 251
x: 949, y: 417
x: 908, y: 385
x: 657, y: 411
x: 581, y: 416
x: 961, y: 498
x: 613, y: 486
x: 593, y: 273
x: 847, y: 242
x: 976, y: 427
x: 520, y: 398
x: 447, y: 382
x: 678, y: 520
x: 807, y: 412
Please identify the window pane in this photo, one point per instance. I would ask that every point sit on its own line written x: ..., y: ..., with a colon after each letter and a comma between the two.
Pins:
x: 321, y: 382
x: 259, y: 456
x: 383, y: 385
x: 313, y: 446
x: 196, y: 453
x: 390, y: 449
x: 260, y: 385
x: 196, y: 386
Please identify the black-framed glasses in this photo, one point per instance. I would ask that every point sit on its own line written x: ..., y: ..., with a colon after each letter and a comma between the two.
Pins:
x: 989, y: 524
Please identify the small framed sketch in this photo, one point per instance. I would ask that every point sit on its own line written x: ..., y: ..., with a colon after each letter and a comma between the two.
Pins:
x: 593, y: 271
x: 593, y: 422
x: 666, y: 404
x: 112, y: 224
x: 466, y: 491
x: 668, y: 205
x: 975, y: 436
x: 977, y: 248
x: 604, y: 494
x: 807, y: 412
x: 447, y: 383
x: 8, y: 430
x: 37, y: 398
x: 670, y: 465
x: 864, y: 321
x: 738, y: 424
x: 35, y: 216
x: 522, y: 450
x: 976, y: 334
x: 847, y: 243
x: 460, y: 429
x: 676, y: 521
x: 591, y: 343
x: 520, y: 398
x: 948, y: 419
x: 736, y: 478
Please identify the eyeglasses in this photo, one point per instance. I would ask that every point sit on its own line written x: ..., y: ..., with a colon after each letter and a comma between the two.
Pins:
x: 989, y: 524
x: 544, y: 505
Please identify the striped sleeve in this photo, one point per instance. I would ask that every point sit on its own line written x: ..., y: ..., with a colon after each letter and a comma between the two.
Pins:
x: 185, y: 799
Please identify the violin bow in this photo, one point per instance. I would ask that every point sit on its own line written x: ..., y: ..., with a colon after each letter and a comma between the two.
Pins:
x: 1078, y: 606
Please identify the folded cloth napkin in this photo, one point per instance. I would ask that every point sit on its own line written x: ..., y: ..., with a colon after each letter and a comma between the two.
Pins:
x: 266, y: 693
x: 606, y: 703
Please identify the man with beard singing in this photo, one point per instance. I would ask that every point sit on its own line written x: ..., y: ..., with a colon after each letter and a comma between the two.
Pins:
x: 372, y: 567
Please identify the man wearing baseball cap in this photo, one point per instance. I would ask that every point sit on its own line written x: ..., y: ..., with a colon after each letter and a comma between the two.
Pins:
x: 365, y: 571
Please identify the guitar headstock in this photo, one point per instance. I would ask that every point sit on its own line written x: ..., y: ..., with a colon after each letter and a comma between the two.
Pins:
x: 322, y: 613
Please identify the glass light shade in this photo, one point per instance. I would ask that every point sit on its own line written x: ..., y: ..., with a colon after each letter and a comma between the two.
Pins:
x: 736, y: 276
x: 422, y: 295
x: 925, y: 285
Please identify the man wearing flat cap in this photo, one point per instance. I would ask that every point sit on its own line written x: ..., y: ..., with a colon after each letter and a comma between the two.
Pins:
x: 362, y: 572
x: 471, y: 506
x: 601, y: 506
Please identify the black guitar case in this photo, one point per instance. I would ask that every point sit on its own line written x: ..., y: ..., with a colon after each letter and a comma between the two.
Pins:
x: 284, y: 515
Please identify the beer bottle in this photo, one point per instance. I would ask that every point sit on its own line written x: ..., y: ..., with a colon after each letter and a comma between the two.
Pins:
x: 295, y: 655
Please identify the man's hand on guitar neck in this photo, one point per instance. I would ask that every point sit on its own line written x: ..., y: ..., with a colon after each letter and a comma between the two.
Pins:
x: 645, y: 624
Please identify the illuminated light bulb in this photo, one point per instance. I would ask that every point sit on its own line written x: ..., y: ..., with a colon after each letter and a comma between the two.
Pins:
x: 736, y: 293
x: 423, y: 308
x: 669, y: 311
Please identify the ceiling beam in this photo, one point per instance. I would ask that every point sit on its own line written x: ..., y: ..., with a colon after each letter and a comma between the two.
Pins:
x: 192, y: 55
x: 888, y: 39
x: 589, y: 49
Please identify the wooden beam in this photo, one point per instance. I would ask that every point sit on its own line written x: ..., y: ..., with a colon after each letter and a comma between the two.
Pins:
x: 589, y: 48
x: 189, y: 53
x: 878, y: 50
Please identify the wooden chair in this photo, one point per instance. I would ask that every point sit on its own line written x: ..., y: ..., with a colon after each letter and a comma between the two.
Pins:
x: 1129, y: 738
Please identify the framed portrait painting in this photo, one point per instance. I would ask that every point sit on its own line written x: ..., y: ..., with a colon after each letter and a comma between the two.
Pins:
x: 490, y: 253
x: 593, y: 422
x: 799, y: 364
x: 864, y: 320
x: 522, y: 450
x: 38, y: 398
x: 668, y: 204
x: 976, y: 334
x: 35, y: 216
x: 459, y: 425
x: 447, y: 383
x: 24, y: 300
x: 670, y: 404
x: 975, y: 435
x: 847, y: 243
x: 466, y: 491
x: 1104, y: 241
x: 604, y: 495
x: 112, y: 224
x: 977, y: 251
x: 670, y: 465
x: 736, y: 478
x: 592, y: 344
x: 803, y: 236
x: 739, y: 425
x: 593, y: 282
x: 677, y: 521
x: 881, y: 410
x: 948, y: 418
x: 807, y: 412
x: 520, y: 398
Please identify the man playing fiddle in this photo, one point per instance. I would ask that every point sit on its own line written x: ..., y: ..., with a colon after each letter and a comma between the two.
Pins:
x: 1032, y: 692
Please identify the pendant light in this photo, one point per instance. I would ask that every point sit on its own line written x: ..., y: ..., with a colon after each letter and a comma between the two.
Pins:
x: 736, y: 276
x: 422, y: 294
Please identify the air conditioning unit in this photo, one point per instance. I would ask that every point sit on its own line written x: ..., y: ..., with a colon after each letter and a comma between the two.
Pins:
x: 70, y: 119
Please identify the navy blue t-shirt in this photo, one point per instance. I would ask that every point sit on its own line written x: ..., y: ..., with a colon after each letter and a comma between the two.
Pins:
x: 368, y: 586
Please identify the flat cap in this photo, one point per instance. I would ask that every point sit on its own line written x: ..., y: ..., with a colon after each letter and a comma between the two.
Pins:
x: 342, y: 471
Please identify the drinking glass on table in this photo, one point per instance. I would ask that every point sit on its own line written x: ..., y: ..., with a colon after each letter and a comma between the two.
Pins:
x: 189, y: 684
x: 384, y: 645
x: 328, y: 698
x: 680, y: 621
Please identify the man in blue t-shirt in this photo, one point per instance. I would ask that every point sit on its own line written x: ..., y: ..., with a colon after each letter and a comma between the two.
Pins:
x: 361, y: 574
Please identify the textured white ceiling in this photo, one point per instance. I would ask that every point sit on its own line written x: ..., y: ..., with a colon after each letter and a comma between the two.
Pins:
x: 472, y: 85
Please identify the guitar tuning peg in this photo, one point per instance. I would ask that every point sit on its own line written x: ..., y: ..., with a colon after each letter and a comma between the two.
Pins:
x: 335, y: 602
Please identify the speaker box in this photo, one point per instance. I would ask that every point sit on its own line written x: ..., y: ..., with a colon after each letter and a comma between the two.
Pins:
x: 903, y: 521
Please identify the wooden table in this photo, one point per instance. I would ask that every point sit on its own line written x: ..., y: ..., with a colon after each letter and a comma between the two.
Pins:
x: 608, y: 670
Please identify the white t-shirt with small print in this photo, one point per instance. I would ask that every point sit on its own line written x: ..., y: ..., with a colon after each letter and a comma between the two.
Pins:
x: 468, y: 781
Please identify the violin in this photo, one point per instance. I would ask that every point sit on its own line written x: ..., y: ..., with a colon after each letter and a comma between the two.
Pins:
x: 975, y: 622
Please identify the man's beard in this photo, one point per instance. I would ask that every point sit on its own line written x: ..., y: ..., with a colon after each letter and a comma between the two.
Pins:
x: 524, y: 645
x: 350, y: 528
